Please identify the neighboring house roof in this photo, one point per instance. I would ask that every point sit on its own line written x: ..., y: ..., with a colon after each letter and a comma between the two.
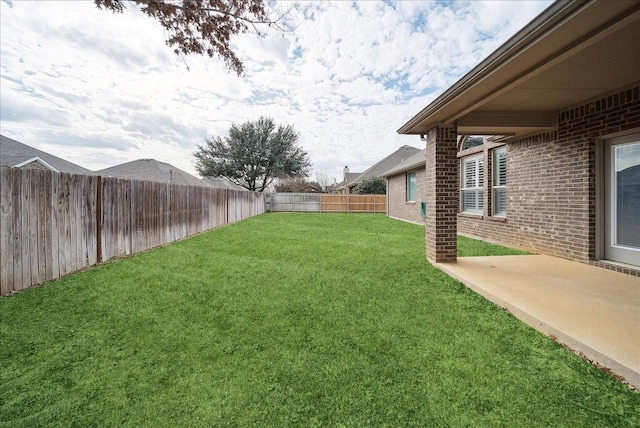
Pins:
x: 222, y: 183
x: 400, y: 155
x: 350, y: 176
x: 15, y: 154
x: 573, y: 52
x: 151, y: 170
x: 414, y: 162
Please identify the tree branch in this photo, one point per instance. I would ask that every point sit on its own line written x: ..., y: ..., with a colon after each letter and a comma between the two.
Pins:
x: 206, y: 26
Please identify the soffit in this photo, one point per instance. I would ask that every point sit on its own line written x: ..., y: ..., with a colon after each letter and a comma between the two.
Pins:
x: 587, y: 51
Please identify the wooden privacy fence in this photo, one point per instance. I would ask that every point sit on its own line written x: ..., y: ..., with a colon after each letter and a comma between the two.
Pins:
x: 327, y: 203
x: 354, y: 203
x: 293, y: 202
x: 54, y: 224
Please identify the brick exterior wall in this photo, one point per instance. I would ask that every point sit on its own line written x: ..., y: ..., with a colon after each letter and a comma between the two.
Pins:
x: 398, y: 207
x: 442, y: 183
x: 551, y: 183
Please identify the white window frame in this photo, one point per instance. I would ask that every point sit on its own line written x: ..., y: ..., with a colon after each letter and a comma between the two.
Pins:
x: 415, y: 186
x: 472, y: 185
x: 498, y: 185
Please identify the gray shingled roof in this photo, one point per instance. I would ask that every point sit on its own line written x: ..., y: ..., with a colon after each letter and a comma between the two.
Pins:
x: 151, y: 170
x: 13, y: 153
x: 350, y: 176
x: 414, y: 162
x: 222, y: 183
x: 377, y: 170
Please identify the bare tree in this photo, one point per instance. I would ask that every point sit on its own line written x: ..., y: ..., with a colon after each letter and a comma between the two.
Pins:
x: 206, y: 26
x: 325, y: 180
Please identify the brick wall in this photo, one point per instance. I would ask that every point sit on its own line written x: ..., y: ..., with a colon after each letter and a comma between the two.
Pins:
x: 551, y: 182
x: 398, y: 207
x: 441, y: 169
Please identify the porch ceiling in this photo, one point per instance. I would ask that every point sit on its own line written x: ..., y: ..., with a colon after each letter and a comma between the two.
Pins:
x: 571, y: 53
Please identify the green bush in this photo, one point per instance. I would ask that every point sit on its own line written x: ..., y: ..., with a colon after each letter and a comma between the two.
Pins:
x: 369, y: 186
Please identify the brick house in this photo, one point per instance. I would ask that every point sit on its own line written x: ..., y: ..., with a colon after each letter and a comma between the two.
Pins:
x: 405, y: 196
x: 560, y: 174
x: 351, y: 180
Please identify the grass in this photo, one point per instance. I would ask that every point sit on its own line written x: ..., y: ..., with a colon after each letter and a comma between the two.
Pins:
x: 288, y: 320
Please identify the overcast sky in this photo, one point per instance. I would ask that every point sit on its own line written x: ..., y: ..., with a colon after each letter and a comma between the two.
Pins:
x: 100, y: 89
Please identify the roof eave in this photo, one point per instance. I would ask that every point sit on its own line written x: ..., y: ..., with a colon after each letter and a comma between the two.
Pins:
x: 550, y: 18
x: 39, y: 160
x: 405, y: 168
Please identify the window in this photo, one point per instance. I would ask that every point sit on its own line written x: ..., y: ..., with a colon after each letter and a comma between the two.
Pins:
x: 471, y: 141
x: 472, y: 184
x: 499, y: 184
x: 411, y: 187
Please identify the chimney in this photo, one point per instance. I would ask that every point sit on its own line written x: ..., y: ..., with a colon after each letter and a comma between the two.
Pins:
x: 345, y: 172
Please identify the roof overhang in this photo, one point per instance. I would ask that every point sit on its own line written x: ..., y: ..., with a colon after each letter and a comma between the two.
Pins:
x: 39, y: 160
x: 572, y: 53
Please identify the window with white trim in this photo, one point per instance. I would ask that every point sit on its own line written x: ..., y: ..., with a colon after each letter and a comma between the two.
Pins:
x: 471, y: 193
x: 411, y: 186
x: 471, y: 141
x: 499, y: 182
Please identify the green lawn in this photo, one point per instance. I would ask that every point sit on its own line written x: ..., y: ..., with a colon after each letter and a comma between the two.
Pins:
x: 288, y: 320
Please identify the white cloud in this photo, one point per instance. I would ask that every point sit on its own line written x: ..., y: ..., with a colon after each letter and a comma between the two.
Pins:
x: 100, y: 88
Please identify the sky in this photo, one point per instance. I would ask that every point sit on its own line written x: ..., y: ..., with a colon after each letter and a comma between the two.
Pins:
x: 99, y: 89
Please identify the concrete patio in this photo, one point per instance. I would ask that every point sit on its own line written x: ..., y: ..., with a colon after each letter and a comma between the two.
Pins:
x: 593, y: 311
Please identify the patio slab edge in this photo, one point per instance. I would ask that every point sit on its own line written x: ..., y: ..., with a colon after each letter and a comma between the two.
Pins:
x: 597, y: 357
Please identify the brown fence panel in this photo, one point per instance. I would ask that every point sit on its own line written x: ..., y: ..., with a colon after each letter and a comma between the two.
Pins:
x: 53, y: 224
x: 36, y: 228
x: 353, y: 203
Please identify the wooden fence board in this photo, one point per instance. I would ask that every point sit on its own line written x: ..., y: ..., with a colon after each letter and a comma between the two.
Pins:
x: 137, y: 226
x: 155, y: 215
x: 69, y: 219
x: 7, y: 236
x: 26, y: 235
x: 118, y: 231
x: 71, y: 244
x: 106, y: 225
x: 122, y: 218
x: 17, y: 230
x: 77, y: 223
x: 46, y: 212
x: 85, y: 223
x: 148, y: 215
x: 161, y: 190
x: 39, y: 213
x: 33, y: 231
x: 91, y: 213
x: 61, y: 222
x: 126, y: 211
x: 55, y: 237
